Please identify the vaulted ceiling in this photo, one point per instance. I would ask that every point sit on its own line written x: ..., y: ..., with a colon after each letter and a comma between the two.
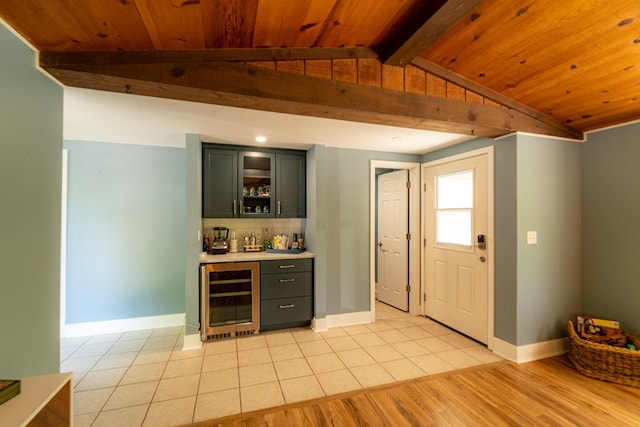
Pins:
x: 470, y: 67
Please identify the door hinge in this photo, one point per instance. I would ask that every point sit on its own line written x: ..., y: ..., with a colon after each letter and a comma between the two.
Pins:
x: 408, y: 236
x: 424, y: 297
x: 424, y: 242
x: 425, y: 187
x: 408, y: 184
x: 408, y: 288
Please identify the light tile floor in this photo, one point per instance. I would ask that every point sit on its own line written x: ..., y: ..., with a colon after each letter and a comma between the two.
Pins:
x: 143, y: 378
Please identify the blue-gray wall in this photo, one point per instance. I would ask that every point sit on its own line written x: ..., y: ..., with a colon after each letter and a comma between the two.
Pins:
x: 549, y: 202
x: 193, y: 223
x: 30, y: 188
x: 315, y: 234
x: 505, y: 228
x: 125, y: 231
x: 611, y: 225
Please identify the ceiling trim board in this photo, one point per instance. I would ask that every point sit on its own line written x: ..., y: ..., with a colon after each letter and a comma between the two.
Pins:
x: 59, y: 59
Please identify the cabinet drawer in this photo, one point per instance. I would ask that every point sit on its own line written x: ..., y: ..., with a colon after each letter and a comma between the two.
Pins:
x: 285, y: 310
x: 286, y: 266
x: 286, y: 285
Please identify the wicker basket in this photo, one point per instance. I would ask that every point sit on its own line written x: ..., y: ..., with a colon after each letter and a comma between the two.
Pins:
x: 605, y: 362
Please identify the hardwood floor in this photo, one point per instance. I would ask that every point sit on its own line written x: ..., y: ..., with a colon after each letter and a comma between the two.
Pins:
x: 548, y: 392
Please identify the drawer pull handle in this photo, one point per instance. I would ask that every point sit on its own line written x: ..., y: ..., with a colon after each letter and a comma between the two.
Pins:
x: 287, y: 280
x: 288, y: 266
x: 287, y: 306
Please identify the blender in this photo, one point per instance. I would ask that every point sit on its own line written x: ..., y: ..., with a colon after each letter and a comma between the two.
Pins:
x: 219, y: 244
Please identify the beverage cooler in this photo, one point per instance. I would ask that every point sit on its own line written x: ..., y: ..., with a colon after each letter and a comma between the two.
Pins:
x: 229, y: 299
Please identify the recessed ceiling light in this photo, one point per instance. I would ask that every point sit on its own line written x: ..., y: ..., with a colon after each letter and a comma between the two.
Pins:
x: 396, y: 138
x: 261, y: 139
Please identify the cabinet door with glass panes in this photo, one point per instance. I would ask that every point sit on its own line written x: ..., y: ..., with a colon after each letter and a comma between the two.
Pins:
x: 256, y: 174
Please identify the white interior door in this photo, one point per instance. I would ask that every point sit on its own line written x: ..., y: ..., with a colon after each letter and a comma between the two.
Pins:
x: 455, y: 263
x: 393, y: 245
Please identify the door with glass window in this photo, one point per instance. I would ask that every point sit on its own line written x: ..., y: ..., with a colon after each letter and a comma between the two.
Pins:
x: 455, y: 256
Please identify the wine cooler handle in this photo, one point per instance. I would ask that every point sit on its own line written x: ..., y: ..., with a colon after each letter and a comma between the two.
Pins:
x: 234, y: 208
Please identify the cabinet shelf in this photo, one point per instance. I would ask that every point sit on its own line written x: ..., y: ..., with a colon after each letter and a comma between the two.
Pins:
x: 257, y: 173
x: 228, y: 294
x: 224, y: 282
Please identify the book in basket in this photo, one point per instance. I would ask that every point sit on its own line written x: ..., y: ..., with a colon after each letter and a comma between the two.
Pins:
x: 601, y: 331
x: 9, y: 389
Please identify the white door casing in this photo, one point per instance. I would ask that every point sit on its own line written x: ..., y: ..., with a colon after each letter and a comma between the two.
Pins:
x: 458, y: 277
x: 393, y: 246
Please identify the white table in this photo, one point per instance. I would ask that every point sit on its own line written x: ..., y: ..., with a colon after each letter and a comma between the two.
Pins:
x: 45, y: 400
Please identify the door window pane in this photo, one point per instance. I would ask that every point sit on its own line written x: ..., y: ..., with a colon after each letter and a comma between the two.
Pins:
x: 454, y: 208
x: 455, y: 190
x: 454, y: 227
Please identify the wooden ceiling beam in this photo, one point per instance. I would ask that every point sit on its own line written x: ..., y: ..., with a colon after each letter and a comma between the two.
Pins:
x: 58, y: 59
x: 245, y: 86
x: 449, y: 75
x: 431, y: 20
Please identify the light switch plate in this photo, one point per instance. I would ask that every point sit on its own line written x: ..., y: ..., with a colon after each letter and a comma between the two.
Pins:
x: 532, y: 237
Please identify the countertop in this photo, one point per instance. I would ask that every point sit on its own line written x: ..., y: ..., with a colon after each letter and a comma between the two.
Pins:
x: 250, y: 256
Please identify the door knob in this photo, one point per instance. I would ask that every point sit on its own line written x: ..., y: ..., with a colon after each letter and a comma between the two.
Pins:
x: 380, y: 244
x: 483, y: 259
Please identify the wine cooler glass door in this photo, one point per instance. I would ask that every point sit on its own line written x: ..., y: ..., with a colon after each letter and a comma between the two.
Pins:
x: 230, y: 297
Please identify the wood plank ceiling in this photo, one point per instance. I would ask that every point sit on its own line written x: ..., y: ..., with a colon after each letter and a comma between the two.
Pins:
x: 463, y: 66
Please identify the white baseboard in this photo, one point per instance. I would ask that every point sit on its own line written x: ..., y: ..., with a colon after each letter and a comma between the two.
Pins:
x: 192, y: 342
x: 122, y: 325
x: 530, y: 352
x: 319, y: 325
x: 348, y: 319
x: 338, y: 320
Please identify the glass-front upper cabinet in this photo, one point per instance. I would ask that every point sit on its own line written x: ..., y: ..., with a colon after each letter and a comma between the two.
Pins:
x: 256, y: 178
x: 237, y: 183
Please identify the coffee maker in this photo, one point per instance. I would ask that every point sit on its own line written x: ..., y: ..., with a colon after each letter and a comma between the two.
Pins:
x: 219, y: 244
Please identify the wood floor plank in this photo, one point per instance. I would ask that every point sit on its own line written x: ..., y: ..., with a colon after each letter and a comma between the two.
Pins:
x: 548, y: 392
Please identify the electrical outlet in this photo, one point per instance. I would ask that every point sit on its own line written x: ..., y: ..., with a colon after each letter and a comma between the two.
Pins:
x: 532, y: 237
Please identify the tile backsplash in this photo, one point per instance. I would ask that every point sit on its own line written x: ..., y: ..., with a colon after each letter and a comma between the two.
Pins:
x: 246, y: 226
